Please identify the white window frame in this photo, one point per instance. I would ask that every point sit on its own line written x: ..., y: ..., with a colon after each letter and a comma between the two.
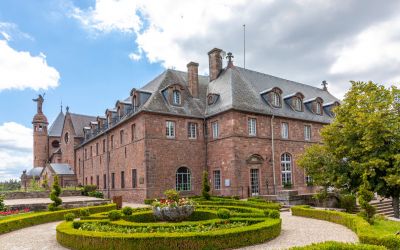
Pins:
x: 252, y: 126
x: 286, y: 168
x: 170, y: 129
x: 215, y: 129
x: 298, y: 104
x: 285, y: 130
x: 217, y: 179
x: 318, y: 109
x: 307, y: 132
x: 180, y: 185
x: 308, y: 179
x: 192, y: 130
x: 176, y: 97
x: 276, y: 99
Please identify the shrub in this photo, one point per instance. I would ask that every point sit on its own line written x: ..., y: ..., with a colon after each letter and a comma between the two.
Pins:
x: 69, y: 217
x: 127, y: 210
x: 76, y: 224
x: 206, y: 186
x: 96, y: 194
x: 148, y: 201
x: 364, y: 197
x: 88, y: 188
x: 274, y: 214
x: 347, y: 202
x: 223, y: 213
x: 114, y: 215
x: 84, y: 212
x: 172, y: 194
x: 332, y: 245
x: 54, y: 196
x: 2, y: 205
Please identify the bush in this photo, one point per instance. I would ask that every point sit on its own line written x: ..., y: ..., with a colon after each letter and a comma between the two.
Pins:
x: 84, y: 212
x: 149, y: 201
x: 54, y: 196
x: 127, y: 210
x: 206, y: 186
x: 2, y: 205
x: 69, y: 217
x: 364, y: 197
x: 332, y: 245
x: 96, y: 194
x: 347, y: 202
x: 114, y: 215
x: 88, y: 188
x: 274, y: 214
x: 172, y: 194
x: 223, y: 213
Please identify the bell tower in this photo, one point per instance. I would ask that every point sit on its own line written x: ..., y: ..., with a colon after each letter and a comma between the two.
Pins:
x: 40, y: 137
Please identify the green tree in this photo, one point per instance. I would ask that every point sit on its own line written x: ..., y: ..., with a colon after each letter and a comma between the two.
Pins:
x: 54, y: 196
x: 362, y: 144
x: 206, y: 186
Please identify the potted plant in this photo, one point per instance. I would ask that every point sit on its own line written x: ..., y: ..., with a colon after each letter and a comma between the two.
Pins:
x: 173, y: 208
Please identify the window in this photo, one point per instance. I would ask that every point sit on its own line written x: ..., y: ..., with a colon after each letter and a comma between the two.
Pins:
x: 79, y: 160
x: 252, y: 126
x: 217, y: 179
x: 104, y: 145
x: 121, y: 137
x: 122, y: 179
x: 85, y: 180
x: 307, y: 132
x: 112, y: 180
x: 297, y: 103
x: 66, y: 137
x: 55, y: 144
x: 91, y: 151
x: 104, y: 181
x: 192, y: 130
x: 125, y: 152
x: 309, y: 179
x: 97, y: 181
x: 134, y: 178
x: 215, y: 129
x: 183, y: 182
x: 112, y: 141
x: 170, y: 129
x: 97, y: 148
x: 286, y: 165
x: 176, y: 97
x: 134, y: 102
x: 318, y: 109
x: 284, y: 130
x: 86, y: 154
x: 275, y: 99
x: 133, y: 132
x: 91, y: 180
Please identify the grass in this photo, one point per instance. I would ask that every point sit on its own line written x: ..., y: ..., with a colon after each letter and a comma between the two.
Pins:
x: 385, y: 227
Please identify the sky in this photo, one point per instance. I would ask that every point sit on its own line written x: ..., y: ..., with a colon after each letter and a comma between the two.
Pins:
x: 86, y: 54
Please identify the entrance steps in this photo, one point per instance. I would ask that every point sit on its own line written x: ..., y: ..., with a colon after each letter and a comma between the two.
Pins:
x: 383, y: 207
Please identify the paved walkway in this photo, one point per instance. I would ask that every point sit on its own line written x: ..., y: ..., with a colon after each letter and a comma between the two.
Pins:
x: 296, y: 231
x: 48, y: 201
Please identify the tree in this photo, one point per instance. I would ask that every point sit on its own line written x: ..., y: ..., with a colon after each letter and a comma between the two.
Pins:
x: 206, y: 186
x: 362, y: 144
x: 54, y: 196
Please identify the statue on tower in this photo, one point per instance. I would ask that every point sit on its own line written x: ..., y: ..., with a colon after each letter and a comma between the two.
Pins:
x: 39, y: 101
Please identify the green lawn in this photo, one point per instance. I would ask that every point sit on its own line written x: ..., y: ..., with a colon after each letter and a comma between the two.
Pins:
x: 385, y: 227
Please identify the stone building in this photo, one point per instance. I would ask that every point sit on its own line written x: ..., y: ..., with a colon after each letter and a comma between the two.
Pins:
x: 244, y: 127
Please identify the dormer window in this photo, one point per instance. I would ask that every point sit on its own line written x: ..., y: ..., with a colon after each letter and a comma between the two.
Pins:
x: 273, y: 97
x: 176, y: 97
x: 297, y: 104
x: 276, y: 99
x: 318, y: 108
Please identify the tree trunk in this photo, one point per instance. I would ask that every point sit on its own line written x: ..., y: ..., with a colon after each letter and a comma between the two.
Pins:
x: 395, y: 205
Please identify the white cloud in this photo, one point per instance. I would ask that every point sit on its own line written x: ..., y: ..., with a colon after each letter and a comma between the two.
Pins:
x: 21, y: 70
x: 135, y: 56
x: 16, y: 144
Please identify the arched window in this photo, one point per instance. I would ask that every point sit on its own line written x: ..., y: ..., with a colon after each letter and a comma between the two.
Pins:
x: 275, y: 99
x: 298, y: 104
x: 318, y: 108
x: 176, y: 97
x: 286, y: 166
x: 183, y: 182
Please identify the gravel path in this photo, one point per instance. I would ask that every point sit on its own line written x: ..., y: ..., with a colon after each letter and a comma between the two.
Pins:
x: 296, y: 231
x: 300, y: 231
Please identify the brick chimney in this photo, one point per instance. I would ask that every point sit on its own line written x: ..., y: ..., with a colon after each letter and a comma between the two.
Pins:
x: 215, y: 63
x: 193, y: 78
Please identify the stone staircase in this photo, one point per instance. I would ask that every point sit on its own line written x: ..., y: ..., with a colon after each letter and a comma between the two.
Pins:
x: 383, y: 207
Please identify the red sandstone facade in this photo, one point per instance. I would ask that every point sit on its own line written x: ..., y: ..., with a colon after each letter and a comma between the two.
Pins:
x: 134, y: 151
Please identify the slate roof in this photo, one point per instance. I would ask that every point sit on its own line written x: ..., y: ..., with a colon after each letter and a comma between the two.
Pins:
x: 34, y: 171
x: 81, y: 121
x: 61, y: 168
x: 57, y: 126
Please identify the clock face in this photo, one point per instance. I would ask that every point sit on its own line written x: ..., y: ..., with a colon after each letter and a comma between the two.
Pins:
x: 66, y: 137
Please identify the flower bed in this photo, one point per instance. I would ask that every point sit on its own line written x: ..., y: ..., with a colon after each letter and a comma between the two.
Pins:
x: 13, y: 212
x: 204, y: 229
x: 368, y: 234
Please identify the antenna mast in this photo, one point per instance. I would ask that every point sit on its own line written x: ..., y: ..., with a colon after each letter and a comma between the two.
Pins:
x: 244, y: 45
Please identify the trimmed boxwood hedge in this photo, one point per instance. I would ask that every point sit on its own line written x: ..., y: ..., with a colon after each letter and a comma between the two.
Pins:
x: 231, y: 202
x: 355, y: 223
x: 36, y: 218
x: 332, y: 245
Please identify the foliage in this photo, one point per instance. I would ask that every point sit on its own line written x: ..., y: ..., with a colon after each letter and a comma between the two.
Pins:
x: 96, y: 194
x: 172, y: 194
x: 88, y: 189
x: 10, y: 185
x: 45, y: 183
x: 364, y: 197
x: 30, y: 219
x: 322, y: 195
x: 2, y: 205
x: 149, y: 201
x: 84, y: 212
x: 274, y: 214
x: 223, y: 213
x: 35, y: 186
x: 114, y: 215
x: 127, y: 210
x: 206, y: 186
x: 69, y: 217
x: 347, y: 202
x: 54, y: 196
x: 333, y: 245
x: 362, y: 140
x: 14, y: 212
x: 380, y: 233
x: 287, y: 185
x: 172, y: 200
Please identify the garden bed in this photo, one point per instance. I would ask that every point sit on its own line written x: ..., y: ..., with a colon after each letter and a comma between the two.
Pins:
x: 382, y: 232
x: 204, y: 229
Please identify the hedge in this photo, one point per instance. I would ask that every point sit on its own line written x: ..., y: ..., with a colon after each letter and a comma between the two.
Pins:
x: 228, y: 202
x: 332, y: 245
x: 36, y: 218
x: 362, y: 228
x: 219, y: 239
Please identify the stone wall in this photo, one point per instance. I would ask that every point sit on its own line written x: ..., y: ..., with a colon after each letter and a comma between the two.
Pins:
x: 32, y: 195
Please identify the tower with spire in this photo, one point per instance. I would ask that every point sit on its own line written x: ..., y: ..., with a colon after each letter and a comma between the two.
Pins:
x: 40, y: 136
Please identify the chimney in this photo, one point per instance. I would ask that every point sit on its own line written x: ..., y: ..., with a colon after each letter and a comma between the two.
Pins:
x: 215, y: 63
x: 193, y: 78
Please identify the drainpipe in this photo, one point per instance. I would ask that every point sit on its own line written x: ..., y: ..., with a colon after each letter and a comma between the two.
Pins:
x: 108, y: 166
x: 273, y: 152
x: 205, y: 142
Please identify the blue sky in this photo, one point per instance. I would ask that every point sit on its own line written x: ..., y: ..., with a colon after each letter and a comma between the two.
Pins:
x: 88, y: 54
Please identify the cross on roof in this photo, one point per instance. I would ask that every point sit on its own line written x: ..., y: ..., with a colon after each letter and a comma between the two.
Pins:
x: 324, y: 83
